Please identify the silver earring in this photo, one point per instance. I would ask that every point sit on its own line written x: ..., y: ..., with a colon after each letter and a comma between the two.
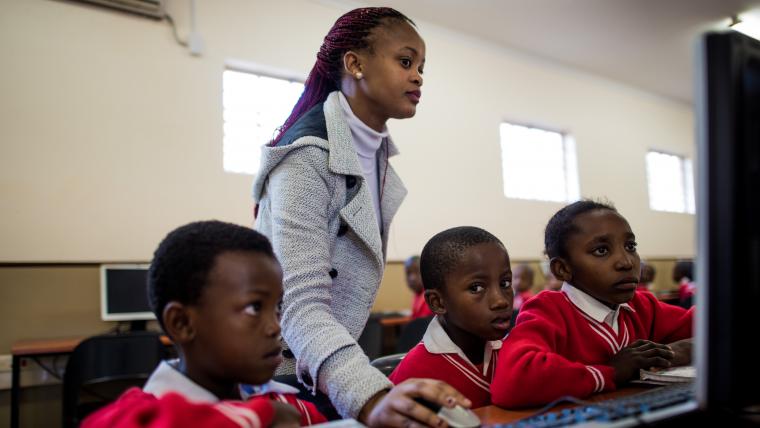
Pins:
x: 359, y: 75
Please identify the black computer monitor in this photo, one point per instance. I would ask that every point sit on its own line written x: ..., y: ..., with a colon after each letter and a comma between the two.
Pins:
x: 123, y: 294
x: 728, y: 222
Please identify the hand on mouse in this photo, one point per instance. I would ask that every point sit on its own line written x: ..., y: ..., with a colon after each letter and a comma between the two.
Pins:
x: 397, y: 407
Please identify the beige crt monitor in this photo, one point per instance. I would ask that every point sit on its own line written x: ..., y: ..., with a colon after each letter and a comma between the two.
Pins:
x: 123, y: 292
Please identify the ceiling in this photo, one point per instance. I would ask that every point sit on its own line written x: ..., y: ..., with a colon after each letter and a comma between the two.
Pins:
x: 647, y: 44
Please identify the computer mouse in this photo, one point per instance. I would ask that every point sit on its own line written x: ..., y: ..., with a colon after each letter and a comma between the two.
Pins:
x: 459, y: 417
x: 456, y: 417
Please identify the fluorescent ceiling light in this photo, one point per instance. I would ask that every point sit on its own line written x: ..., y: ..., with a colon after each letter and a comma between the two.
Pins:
x: 749, y: 25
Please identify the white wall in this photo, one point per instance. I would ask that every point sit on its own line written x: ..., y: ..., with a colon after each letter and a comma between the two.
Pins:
x: 111, y: 132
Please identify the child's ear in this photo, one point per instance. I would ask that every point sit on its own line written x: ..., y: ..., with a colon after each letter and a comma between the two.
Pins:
x: 178, y: 322
x: 561, y: 269
x: 352, y: 64
x: 435, y: 301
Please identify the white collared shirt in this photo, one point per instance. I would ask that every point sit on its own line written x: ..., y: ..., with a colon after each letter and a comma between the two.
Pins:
x: 166, y: 378
x: 436, y: 341
x: 593, y: 307
x: 367, y: 142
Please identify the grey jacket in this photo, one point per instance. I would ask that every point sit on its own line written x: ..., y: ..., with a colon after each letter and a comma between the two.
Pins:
x: 315, y: 207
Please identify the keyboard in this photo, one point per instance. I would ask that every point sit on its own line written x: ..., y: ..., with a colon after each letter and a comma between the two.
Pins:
x: 633, y: 410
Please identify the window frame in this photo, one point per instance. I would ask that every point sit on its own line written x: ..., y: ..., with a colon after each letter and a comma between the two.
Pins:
x: 570, y: 176
x: 686, y: 172
x: 258, y: 70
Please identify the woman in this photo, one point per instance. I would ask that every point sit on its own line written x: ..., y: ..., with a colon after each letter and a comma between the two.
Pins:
x: 326, y: 196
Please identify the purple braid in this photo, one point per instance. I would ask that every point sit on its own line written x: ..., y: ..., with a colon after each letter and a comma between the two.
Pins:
x: 350, y: 32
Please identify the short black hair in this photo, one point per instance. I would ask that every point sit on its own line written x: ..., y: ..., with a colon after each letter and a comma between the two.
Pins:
x: 183, y: 260
x: 683, y: 268
x: 444, y: 250
x: 411, y: 260
x: 561, y: 226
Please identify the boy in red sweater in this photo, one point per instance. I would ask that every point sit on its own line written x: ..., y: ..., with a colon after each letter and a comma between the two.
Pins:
x: 467, y: 279
x: 598, y: 330
x: 216, y: 290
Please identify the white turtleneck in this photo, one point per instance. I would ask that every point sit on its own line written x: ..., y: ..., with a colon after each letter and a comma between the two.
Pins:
x: 367, y: 142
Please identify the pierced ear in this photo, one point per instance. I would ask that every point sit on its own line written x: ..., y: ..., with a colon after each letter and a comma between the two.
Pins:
x: 561, y: 269
x: 352, y: 64
x: 178, y: 322
x: 435, y: 301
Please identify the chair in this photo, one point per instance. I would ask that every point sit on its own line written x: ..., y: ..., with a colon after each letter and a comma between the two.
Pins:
x: 371, y: 340
x: 388, y: 363
x: 411, y: 334
x: 514, y: 319
x: 102, y: 367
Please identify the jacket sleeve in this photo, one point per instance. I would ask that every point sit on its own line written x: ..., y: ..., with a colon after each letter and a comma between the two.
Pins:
x: 531, y: 372
x: 137, y: 409
x: 300, y: 193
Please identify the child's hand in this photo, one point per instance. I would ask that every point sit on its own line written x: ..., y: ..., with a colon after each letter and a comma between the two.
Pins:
x: 682, y: 350
x: 397, y: 408
x: 641, y: 354
x: 285, y: 416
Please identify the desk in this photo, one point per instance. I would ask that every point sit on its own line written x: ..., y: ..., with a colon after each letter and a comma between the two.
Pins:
x: 669, y: 297
x: 390, y: 331
x: 496, y: 415
x: 395, y: 321
x: 40, y: 348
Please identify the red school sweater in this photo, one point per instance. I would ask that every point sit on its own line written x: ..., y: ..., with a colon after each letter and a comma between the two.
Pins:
x: 136, y: 409
x: 464, y: 376
x: 438, y: 357
x: 555, y: 349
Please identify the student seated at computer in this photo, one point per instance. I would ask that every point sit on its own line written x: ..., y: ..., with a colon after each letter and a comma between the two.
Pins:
x: 597, y: 331
x: 420, y: 308
x: 522, y: 284
x: 683, y: 275
x: 646, y: 279
x: 216, y: 290
x: 467, y: 279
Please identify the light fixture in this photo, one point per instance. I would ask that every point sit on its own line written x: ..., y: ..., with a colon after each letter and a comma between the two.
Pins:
x: 748, y: 25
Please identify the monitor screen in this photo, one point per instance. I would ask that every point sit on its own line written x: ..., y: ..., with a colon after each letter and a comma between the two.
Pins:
x: 728, y: 221
x: 123, y: 293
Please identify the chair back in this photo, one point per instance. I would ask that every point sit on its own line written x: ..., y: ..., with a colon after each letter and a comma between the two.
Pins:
x: 388, y: 363
x: 102, y: 367
x: 371, y: 340
x: 411, y: 334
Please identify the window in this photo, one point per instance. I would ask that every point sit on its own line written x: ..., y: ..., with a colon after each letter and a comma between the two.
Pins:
x: 538, y: 164
x: 254, y: 107
x: 671, y: 183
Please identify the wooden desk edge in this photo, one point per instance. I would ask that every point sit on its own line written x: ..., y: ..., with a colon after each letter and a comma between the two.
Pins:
x: 496, y: 415
x: 390, y: 322
x: 55, y: 346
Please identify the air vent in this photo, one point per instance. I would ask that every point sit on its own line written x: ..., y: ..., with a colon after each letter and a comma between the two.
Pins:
x: 150, y: 8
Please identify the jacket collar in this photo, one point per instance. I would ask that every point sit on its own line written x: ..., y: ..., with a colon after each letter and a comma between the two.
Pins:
x: 343, y: 157
x: 436, y: 341
x: 166, y: 378
x: 594, y: 308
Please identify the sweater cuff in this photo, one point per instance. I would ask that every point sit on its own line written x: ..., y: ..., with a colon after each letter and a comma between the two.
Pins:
x: 603, y: 377
x: 350, y: 381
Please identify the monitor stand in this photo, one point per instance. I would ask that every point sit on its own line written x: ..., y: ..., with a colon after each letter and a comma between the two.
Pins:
x: 138, y: 325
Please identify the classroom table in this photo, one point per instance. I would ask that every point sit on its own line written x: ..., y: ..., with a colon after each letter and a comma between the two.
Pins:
x: 40, y: 348
x: 497, y: 415
x: 395, y: 321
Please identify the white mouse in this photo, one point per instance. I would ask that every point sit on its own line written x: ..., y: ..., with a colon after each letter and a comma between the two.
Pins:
x: 459, y: 417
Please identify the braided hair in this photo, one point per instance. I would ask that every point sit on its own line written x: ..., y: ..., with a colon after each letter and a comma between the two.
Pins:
x: 350, y: 32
